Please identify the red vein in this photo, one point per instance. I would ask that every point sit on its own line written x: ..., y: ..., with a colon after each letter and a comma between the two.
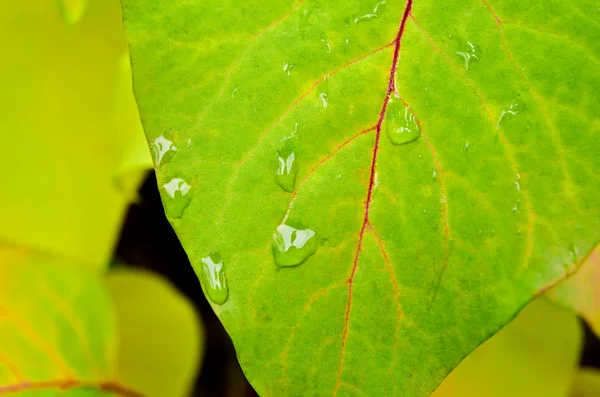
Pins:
x: 304, y: 95
x: 64, y: 384
x: 319, y: 164
x: 366, y: 222
x: 399, y: 313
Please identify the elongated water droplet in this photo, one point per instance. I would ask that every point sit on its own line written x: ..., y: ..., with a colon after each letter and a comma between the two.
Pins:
x: 512, y: 110
x: 162, y: 149
x: 323, y: 97
x: 292, y: 246
x: 72, y: 10
x: 401, y: 125
x: 287, y: 167
x: 373, y: 13
x: 212, y: 278
x: 469, y: 55
x: 179, y: 197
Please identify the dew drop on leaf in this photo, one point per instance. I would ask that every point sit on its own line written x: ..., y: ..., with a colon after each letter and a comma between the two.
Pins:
x: 212, y: 278
x: 162, y: 149
x: 287, y: 167
x: 401, y: 125
x: 292, y: 246
x: 372, y: 13
x: 179, y: 197
x: 469, y: 55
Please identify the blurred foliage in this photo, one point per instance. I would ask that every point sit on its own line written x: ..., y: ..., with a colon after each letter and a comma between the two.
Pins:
x: 74, y: 157
x: 586, y: 384
x: 537, y: 354
x: 582, y: 291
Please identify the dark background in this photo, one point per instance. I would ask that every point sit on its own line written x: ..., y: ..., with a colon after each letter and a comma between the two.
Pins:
x: 148, y: 241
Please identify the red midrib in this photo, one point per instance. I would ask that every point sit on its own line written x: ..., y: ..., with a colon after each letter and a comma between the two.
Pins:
x: 366, y: 222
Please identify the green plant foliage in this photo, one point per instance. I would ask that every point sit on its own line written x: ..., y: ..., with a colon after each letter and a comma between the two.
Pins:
x: 57, y: 330
x: 581, y: 292
x: 537, y: 354
x: 136, y: 336
x: 445, y: 158
x: 586, y: 384
x: 159, y: 335
x: 70, y: 129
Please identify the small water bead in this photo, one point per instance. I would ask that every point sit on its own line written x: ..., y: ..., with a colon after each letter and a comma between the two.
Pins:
x: 287, y: 68
x: 374, y: 13
x: 178, y: 192
x: 212, y: 278
x: 401, y: 124
x: 323, y: 98
x: 291, y: 246
x: 287, y: 167
x: 162, y: 148
x: 324, y: 41
x: 468, y: 55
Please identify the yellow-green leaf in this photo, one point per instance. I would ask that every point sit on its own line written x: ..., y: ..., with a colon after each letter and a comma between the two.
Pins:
x: 68, y: 122
x: 161, y: 340
x: 586, y: 384
x: 537, y: 354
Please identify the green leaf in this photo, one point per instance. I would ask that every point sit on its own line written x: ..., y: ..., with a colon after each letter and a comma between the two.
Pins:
x: 72, y: 143
x: 160, y: 337
x: 56, y: 328
x: 62, y: 328
x: 581, y: 292
x: 537, y: 354
x: 586, y: 384
x: 426, y: 245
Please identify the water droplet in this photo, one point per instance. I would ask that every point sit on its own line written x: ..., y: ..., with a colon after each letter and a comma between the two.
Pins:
x: 573, y: 253
x: 434, y: 175
x: 511, y: 111
x: 467, y: 147
x: 338, y: 177
x: 401, y: 125
x: 178, y: 191
x: 518, y: 185
x: 375, y: 13
x: 212, y: 278
x: 287, y: 167
x: 287, y: 68
x: 292, y: 246
x: 424, y: 211
x: 323, y: 97
x: 234, y: 91
x: 161, y: 148
x: 420, y: 156
x: 72, y: 10
x: 327, y: 44
x: 515, y: 208
x: 469, y: 55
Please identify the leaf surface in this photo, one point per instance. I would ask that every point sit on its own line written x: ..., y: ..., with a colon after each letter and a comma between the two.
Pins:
x: 424, y: 249
x: 56, y: 328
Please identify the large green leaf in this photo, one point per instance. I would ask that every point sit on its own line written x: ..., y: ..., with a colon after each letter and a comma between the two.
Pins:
x: 423, y: 249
